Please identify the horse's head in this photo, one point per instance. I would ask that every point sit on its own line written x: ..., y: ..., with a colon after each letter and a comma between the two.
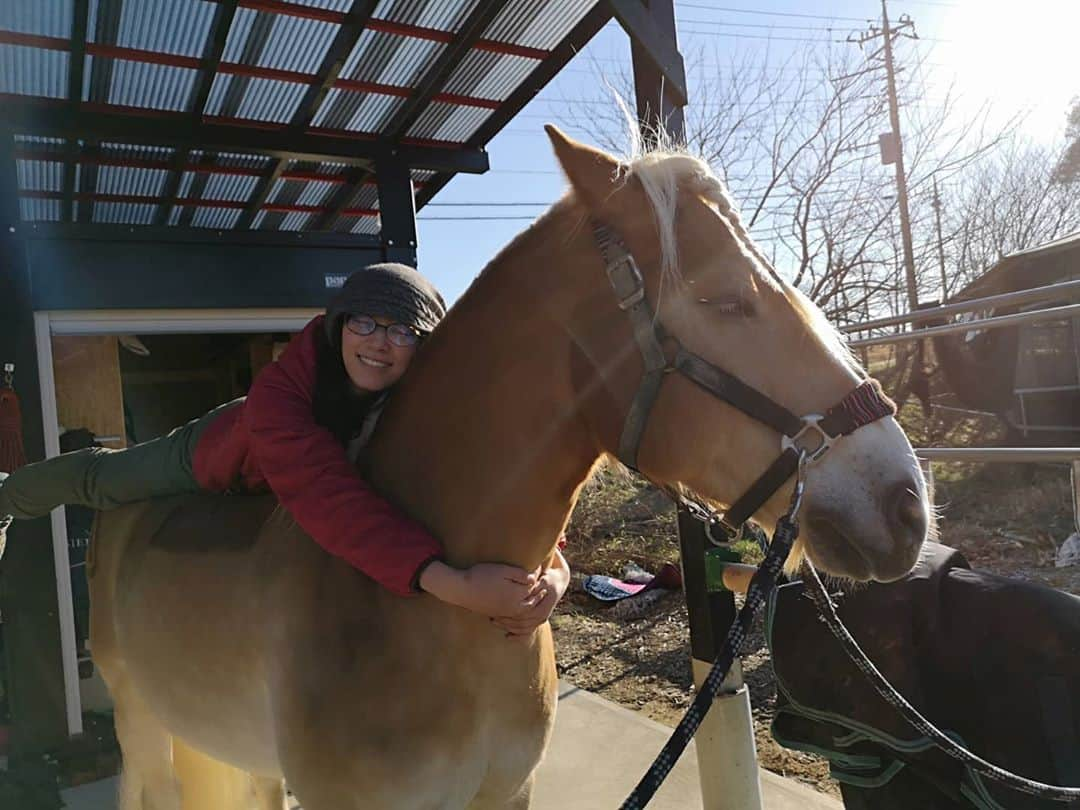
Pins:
x: 865, y: 513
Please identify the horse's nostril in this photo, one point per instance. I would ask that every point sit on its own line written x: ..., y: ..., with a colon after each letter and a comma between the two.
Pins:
x: 906, y: 513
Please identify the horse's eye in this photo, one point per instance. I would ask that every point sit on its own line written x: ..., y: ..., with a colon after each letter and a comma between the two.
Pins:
x: 728, y: 306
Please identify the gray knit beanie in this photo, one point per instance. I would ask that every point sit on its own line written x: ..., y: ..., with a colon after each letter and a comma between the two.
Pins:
x: 392, y: 290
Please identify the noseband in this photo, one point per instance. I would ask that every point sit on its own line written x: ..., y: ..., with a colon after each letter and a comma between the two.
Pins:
x: 810, y: 436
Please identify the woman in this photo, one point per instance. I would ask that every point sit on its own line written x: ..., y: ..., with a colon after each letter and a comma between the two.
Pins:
x: 290, y: 435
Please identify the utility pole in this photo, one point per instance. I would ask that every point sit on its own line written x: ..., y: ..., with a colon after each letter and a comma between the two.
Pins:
x: 940, y: 245
x: 892, y: 148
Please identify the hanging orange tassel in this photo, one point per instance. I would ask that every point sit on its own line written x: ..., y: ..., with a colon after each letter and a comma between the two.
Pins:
x: 12, y: 454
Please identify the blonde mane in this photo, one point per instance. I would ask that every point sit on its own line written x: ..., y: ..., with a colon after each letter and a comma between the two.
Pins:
x: 662, y: 172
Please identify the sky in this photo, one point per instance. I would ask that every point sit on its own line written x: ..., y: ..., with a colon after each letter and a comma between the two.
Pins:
x: 1018, y: 57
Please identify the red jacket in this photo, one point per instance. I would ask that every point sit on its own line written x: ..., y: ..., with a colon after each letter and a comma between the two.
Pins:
x: 271, y: 441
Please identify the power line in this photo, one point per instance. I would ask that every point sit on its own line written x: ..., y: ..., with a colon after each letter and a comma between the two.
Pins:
x: 772, y: 13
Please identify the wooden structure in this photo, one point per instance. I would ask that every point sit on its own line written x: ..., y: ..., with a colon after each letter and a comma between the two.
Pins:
x: 1028, y: 374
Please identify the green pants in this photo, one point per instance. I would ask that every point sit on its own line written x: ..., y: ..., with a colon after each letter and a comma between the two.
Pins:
x: 105, y: 479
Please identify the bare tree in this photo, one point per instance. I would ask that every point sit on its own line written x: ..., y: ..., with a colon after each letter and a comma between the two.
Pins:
x: 797, y: 142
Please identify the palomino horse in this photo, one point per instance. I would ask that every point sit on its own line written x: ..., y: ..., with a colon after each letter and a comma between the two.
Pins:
x: 217, y: 622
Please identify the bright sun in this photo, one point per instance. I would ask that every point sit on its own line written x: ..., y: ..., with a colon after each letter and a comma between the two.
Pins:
x: 1019, y: 56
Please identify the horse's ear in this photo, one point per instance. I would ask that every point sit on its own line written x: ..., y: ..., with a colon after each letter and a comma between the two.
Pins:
x: 592, y: 172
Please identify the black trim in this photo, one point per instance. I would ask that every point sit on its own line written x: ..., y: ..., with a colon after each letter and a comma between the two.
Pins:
x: 109, y: 274
x: 76, y: 71
x: 151, y: 233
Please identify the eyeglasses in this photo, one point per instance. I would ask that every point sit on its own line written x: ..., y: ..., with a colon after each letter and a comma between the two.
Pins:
x: 397, y: 333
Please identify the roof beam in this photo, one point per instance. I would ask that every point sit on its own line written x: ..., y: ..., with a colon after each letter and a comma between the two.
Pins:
x: 333, y: 62
x: 340, y: 200
x: 200, y: 93
x: 28, y: 116
x: 260, y: 195
x: 76, y: 70
x: 437, y: 75
x: 639, y: 24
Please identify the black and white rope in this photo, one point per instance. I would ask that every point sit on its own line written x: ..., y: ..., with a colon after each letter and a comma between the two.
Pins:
x: 762, y: 584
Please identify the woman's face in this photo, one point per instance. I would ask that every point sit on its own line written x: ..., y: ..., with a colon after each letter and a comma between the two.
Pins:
x: 373, y: 362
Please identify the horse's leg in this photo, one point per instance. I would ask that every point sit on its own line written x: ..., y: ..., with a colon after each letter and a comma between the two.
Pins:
x: 147, y: 781
x: 269, y: 793
x: 519, y: 801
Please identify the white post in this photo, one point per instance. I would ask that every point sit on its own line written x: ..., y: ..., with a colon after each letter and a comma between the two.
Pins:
x: 61, y: 561
x: 1076, y: 494
x: 727, y: 755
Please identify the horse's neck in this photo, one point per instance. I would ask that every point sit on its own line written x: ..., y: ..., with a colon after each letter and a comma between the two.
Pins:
x: 484, y: 441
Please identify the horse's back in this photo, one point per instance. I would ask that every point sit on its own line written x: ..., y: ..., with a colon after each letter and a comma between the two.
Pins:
x: 179, y: 588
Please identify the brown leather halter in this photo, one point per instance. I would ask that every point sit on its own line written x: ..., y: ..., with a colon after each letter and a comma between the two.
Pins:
x: 810, y: 436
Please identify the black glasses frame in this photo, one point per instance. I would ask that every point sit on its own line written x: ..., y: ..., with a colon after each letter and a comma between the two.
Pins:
x: 399, y: 334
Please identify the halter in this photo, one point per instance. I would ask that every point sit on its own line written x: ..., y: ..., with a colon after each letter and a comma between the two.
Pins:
x: 809, y: 436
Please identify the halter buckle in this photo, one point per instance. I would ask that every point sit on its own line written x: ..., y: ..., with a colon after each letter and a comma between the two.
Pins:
x: 810, y: 425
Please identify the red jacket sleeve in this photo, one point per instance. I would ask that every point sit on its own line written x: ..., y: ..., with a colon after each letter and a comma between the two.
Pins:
x: 308, y: 470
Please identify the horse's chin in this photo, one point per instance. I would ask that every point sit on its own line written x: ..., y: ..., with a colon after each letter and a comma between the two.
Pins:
x: 834, y: 552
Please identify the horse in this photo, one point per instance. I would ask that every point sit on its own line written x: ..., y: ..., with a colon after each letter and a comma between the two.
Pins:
x: 223, y: 631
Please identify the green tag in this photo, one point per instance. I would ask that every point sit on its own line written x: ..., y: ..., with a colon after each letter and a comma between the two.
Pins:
x: 716, y: 559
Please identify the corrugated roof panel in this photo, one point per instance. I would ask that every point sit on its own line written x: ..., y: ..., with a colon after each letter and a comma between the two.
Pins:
x: 538, y: 23
x: 175, y: 214
x: 390, y: 59
x: 125, y: 180
x: 489, y: 75
x: 170, y: 26
x: 124, y: 213
x: 223, y: 218
x: 136, y: 151
x: 32, y: 210
x: 368, y: 225
x: 315, y: 193
x: 296, y: 43
x: 365, y: 197
x: 229, y: 187
x: 234, y: 160
x: 359, y: 112
x: 38, y: 140
x: 243, y: 20
x: 40, y: 175
x: 52, y: 19
x: 448, y: 122
x: 263, y: 100
x: 184, y: 189
x: 158, y: 87
x: 444, y: 15
x: 333, y: 5
x: 422, y: 175
x: 33, y: 71
x: 293, y: 221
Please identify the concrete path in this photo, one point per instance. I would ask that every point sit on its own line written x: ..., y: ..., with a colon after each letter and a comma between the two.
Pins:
x: 599, y: 752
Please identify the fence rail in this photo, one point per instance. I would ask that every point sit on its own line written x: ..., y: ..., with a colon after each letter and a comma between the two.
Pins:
x: 1008, y: 454
x: 1068, y: 311
x: 1064, y: 289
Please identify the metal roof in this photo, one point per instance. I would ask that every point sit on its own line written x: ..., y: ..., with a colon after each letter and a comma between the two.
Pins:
x: 265, y: 114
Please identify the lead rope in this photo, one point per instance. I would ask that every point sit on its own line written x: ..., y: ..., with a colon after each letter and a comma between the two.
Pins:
x: 762, y: 584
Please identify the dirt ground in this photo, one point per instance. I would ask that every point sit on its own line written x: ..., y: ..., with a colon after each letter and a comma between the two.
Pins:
x: 1006, y: 519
